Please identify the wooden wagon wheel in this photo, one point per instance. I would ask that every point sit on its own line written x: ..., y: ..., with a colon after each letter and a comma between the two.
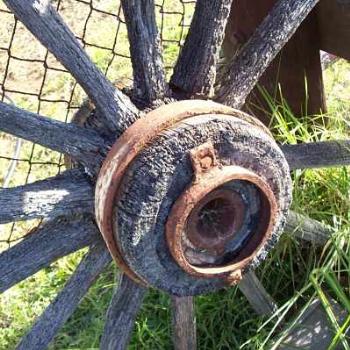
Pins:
x: 191, y: 195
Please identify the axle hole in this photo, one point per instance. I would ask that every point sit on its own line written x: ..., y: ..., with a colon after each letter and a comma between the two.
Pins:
x: 216, y: 219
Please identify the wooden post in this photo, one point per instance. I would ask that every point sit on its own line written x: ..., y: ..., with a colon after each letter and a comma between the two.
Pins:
x: 298, y: 62
x: 334, y: 23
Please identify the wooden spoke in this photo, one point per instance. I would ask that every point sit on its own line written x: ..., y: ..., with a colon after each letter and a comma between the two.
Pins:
x: 318, y: 154
x: 58, y: 312
x: 259, y: 299
x: 308, y: 229
x: 145, y: 47
x: 195, y: 70
x: 66, y: 194
x: 250, y: 63
x: 116, y: 110
x: 183, y: 323
x: 300, y: 226
x: 40, y: 248
x: 121, y: 314
x: 83, y: 145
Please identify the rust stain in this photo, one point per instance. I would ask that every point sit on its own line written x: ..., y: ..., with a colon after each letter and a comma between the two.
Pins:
x: 183, y: 219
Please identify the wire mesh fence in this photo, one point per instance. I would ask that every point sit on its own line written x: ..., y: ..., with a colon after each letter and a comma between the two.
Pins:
x: 31, y: 78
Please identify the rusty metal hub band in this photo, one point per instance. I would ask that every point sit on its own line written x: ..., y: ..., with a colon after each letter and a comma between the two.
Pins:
x: 223, y: 190
x: 184, y: 218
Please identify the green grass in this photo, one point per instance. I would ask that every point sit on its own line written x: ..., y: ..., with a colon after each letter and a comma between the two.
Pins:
x: 294, y: 273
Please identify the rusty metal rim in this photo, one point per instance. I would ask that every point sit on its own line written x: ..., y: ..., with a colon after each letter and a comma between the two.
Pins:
x: 177, y: 221
x: 129, y: 145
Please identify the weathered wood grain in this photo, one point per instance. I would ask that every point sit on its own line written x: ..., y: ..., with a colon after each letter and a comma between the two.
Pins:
x: 66, y: 194
x: 115, y: 109
x: 307, y: 229
x: 195, y: 70
x: 252, y: 60
x: 121, y: 314
x: 259, y: 299
x: 146, y: 54
x: 317, y: 154
x: 183, y: 323
x: 85, y: 146
x: 57, y: 313
x: 40, y: 248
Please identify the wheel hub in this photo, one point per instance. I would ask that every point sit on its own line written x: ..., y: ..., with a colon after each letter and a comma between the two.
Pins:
x: 206, y: 230
x: 191, y: 196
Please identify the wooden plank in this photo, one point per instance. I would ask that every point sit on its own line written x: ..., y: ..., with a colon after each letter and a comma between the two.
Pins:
x: 65, y: 194
x: 183, y: 323
x: 297, y: 63
x: 62, y: 307
x: 313, y: 330
x: 122, y: 311
x: 252, y: 60
x: 334, y: 27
